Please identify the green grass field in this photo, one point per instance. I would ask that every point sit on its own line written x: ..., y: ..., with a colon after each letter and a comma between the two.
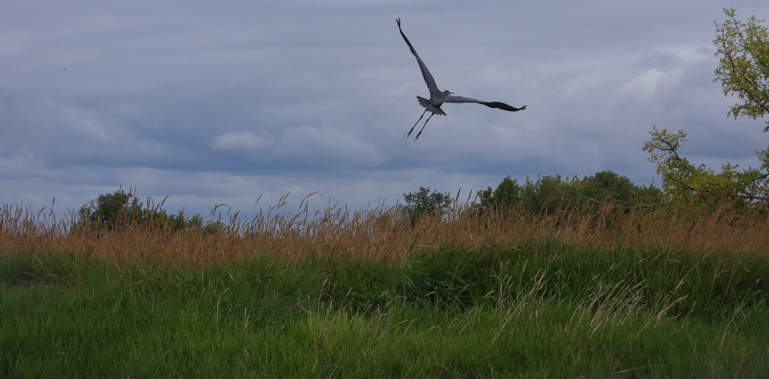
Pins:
x: 368, y: 295
x: 539, y: 309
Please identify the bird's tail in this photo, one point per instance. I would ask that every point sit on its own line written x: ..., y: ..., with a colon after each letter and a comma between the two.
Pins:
x: 429, y: 106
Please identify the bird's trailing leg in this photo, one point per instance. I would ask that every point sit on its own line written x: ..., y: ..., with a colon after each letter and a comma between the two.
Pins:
x: 415, y: 124
x: 423, y: 126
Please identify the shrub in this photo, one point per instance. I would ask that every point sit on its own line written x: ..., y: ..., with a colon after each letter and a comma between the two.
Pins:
x: 121, y: 210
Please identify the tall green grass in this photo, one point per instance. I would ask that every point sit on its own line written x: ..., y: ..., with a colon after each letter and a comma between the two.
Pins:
x: 541, y: 308
x: 592, y: 293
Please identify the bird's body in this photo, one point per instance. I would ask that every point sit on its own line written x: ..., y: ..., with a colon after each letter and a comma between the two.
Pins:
x: 438, y: 97
x: 434, y: 103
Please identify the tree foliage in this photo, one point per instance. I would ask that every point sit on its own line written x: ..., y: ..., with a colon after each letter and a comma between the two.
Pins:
x: 425, y: 202
x: 620, y: 191
x: 506, y: 196
x: 743, y: 69
x: 120, y: 210
x: 551, y: 194
x: 112, y: 209
x: 683, y: 182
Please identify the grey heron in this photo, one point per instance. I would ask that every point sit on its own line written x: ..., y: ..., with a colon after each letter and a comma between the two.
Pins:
x: 438, y: 97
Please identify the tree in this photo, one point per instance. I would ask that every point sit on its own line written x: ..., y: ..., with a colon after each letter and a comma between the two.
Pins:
x: 112, y: 210
x: 425, y: 202
x: 506, y: 196
x: 743, y: 69
x: 120, y: 209
x: 620, y: 191
x: 683, y: 182
x: 550, y: 194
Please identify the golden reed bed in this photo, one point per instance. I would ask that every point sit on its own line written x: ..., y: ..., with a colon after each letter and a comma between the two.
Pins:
x: 383, y: 232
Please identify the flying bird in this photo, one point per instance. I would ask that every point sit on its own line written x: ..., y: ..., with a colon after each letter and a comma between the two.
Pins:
x: 438, y: 97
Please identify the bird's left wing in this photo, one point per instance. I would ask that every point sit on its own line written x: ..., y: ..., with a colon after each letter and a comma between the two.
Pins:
x: 425, y: 72
x: 490, y: 104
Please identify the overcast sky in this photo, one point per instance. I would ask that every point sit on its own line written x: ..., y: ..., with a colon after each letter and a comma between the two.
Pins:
x: 221, y: 102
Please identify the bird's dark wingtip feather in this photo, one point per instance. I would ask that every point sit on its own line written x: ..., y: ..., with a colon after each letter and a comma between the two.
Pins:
x: 503, y: 106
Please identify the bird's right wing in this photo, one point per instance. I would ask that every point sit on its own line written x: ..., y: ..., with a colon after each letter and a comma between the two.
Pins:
x: 490, y: 104
x: 425, y: 72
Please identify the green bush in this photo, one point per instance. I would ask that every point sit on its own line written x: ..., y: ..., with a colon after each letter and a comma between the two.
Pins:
x: 120, y: 210
x: 425, y: 202
x: 112, y: 210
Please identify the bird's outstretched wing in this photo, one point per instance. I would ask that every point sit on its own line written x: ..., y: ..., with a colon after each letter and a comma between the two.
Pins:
x: 490, y: 104
x: 425, y: 72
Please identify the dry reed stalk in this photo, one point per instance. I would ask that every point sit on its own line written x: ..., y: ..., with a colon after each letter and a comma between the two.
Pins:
x: 382, y: 233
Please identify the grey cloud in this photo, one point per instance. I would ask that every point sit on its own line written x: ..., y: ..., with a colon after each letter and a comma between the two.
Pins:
x: 324, y: 148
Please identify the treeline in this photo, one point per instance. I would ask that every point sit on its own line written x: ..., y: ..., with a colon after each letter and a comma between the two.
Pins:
x: 696, y: 189
x: 545, y: 196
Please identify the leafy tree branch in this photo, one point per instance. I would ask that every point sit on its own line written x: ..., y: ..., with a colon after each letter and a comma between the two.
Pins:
x: 743, y: 69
